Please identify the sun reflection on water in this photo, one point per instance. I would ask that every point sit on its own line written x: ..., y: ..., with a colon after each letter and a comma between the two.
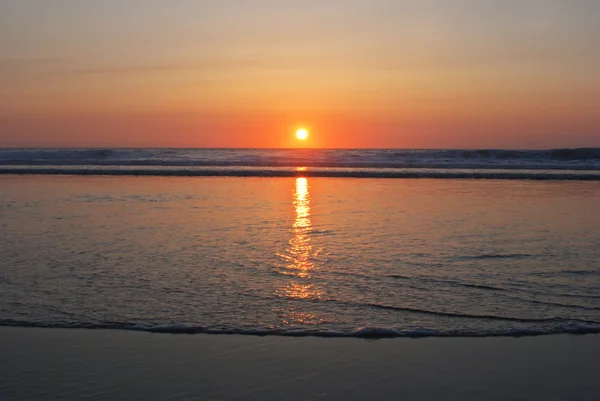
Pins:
x: 300, y: 248
x: 299, y: 253
x: 299, y: 259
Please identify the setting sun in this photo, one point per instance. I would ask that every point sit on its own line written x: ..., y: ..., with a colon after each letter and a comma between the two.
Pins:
x: 302, y: 134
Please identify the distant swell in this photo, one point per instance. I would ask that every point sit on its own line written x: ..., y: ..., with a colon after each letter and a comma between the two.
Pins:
x: 334, y: 173
x: 562, y: 327
x: 554, y: 164
x: 582, y: 158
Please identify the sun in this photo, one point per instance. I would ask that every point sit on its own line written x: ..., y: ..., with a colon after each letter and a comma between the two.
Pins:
x: 302, y: 134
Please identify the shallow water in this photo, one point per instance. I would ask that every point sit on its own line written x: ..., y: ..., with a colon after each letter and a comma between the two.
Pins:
x: 301, y: 256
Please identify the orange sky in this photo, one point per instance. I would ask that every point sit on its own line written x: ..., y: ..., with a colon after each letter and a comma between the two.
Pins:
x: 357, y: 73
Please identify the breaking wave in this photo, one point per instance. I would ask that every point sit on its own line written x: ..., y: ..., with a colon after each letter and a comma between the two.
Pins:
x: 577, y: 159
x: 560, y: 327
x: 308, y: 172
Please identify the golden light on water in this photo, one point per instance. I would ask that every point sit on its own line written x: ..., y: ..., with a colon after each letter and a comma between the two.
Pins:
x: 299, y: 259
x: 300, y: 248
x: 302, y: 291
x: 301, y: 194
x: 294, y: 318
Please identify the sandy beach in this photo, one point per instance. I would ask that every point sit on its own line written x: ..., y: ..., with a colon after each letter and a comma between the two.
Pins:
x: 43, y: 364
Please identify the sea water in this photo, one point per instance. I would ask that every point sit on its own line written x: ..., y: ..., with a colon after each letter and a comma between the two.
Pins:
x: 290, y: 246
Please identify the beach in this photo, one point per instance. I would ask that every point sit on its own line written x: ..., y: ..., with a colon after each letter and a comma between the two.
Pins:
x: 298, y: 288
x: 43, y: 364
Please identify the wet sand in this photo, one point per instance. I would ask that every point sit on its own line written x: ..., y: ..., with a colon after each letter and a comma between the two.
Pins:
x: 43, y: 364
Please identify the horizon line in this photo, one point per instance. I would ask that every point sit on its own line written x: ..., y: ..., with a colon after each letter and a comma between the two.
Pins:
x: 276, y: 148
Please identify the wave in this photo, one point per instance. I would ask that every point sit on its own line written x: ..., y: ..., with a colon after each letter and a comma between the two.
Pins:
x: 68, y: 156
x: 559, y: 273
x: 561, y: 305
x: 562, y: 327
x: 511, y: 293
x: 316, y: 172
x: 575, y: 154
x: 466, y: 316
x: 446, y: 282
x: 499, y: 256
x: 483, y: 287
x: 444, y: 314
x: 578, y: 159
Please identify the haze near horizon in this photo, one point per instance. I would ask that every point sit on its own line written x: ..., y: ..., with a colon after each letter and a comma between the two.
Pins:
x: 355, y: 73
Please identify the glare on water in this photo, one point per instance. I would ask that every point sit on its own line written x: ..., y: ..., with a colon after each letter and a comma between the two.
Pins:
x: 299, y: 257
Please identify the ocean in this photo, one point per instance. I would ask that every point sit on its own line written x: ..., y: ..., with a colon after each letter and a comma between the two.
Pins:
x: 328, y: 243
x: 562, y: 164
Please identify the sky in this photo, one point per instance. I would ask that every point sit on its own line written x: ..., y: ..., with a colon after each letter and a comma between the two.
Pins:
x: 248, y: 73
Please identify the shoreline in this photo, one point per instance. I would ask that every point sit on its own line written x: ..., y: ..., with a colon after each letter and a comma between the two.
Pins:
x: 56, y: 363
x: 366, y: 333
